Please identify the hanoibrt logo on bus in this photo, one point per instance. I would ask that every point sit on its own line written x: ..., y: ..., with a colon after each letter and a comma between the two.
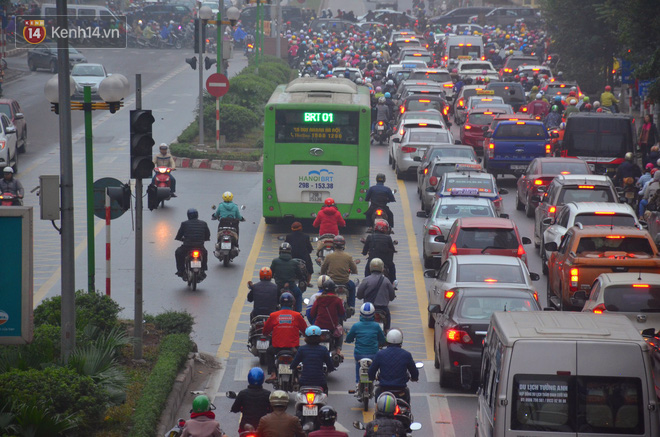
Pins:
x: 318, y: 179
x: 97, y: 33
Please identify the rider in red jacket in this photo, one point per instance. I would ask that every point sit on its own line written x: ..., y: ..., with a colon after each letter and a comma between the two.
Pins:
x: 329, y: 219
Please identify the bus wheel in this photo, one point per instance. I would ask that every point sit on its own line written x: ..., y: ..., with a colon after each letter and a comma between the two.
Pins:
x: 270, y: 220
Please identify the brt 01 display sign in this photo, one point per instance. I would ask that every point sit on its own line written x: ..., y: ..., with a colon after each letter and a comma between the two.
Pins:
x: 16, y: 323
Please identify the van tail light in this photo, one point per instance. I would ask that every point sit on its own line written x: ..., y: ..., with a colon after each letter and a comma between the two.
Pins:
x: 449, y: 294
x: 433, y: 180
x: 552, y: 209
x: 521, y: 251
x: 434, y: 230
x: 458, y: 336
x: 575, y: 278
x: 407, y: 149
x: 453, y: 250
x: 599, y: 309
x: 538, y: 181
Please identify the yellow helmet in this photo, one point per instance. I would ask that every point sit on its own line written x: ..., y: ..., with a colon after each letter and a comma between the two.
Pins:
x: 227, y: 196
x: 375, y: 62
x: 293, y: 37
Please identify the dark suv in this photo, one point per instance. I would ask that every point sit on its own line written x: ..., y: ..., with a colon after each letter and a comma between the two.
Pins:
x: 460, y: 15
x: 162, y: 12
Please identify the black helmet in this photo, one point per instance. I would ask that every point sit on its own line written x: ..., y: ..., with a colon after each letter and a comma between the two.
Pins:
x: 380, y: 177
x: 339, y: 242
x: 192, y: 214
x: 285, y: 248
x: 329, y: 285
x: 287, y: 300
x: 327, y: 416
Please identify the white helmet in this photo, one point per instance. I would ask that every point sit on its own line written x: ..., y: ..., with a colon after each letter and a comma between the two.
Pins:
x: 8, y: 170
x: 367, y: 309
x: 539, y: 96
x: 376, y: 264
x: 394, y: 336
x: 163, y: 146
x: 321, y: 280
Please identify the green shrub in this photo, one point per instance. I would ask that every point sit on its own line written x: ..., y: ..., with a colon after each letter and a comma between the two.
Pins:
x: 62, y: 389
x: 44, y: 349
x: 91, y: 309
x: 173, y: 352
x: 269, y: 59
x: 235, y: 122
x: 172, y: 322
x: 250, y: 91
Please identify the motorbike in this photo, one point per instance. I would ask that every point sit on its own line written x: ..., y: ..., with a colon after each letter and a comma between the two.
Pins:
x: 249, y: 429
x: 403, y: 412
x: 342, y: 292
x: 258, y: 343
x: 380, y: 317
x: 629, y: 192
x: 226, y: 246
x: 177, y: 430
x: 309, y: 400
x: 365, y: 388
x: 331, y: 344
x: 287, y: 378
x: 9, y: 199
x: 381, y: 132
x: 194, y: 273
x: 163, y: 182
x: 327, y: 248
x: 378, y: 212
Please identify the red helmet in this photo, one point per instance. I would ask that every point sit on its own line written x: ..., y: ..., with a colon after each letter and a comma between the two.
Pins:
x: 381, y: 225
x: 265, y: 274
x: 608, y: 88
x: 329, y: 201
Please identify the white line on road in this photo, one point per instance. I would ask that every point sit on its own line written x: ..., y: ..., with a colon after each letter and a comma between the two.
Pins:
x: 440, y: 417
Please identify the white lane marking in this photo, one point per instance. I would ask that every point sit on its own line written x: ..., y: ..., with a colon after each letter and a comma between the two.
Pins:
x: 431, y: 372
x: 243, y: 366
x: 440, y: 417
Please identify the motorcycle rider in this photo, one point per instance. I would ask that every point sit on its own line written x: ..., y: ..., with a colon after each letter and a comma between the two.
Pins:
x: 327, y: 419
x: 339, y: 265
x: 253, y: 402
x: 228, y: 209
x: 367, y: 336
x: 301, y: 247
x: 202, y: 420
x: 380, y: 245
x: 377, y: 289
x: 379, y: 195
x: 286, y: 325
x: 164, y: 159
x: 9, y: 184
x: 538, y: 107
x: 328, y: 311
x: 329, y: 219
x: 384, y: 423
x: 279, y: 423
x: 627, y: 169
x: 193, y: 233
x: 607, y: 99
x: 383, y: 113
x: 313, y: 297
x: 264, y: 294
x: 286, y: 271
x: 394, y: 363
x: 553, y: 119
x: 313, y: 356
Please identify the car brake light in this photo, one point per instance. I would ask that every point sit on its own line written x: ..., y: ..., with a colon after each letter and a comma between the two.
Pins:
x: 426, y: 170
x: 538, y: 182
x: 402, y: 109
x: 425, y: 101
x: 434, y: 230
x: 491, y: 280
x: 310, y: 398
x: 488, y: 113
x: 453, y: 250
x: 575, y: 277
x: 422, y: 124
x: 407, y: 149
x: 586, y: 187
x: 461, y: 102
x: 521, y: 250
x: 615, y: 237
x: 491, y: 146
x: 456, y: 335
x: 641, y: 286
x: 604, y: 213
x: 599, y: 309
x: 449, y: 294
x: 552, y: 210
x: 448, y: 85
x: 536, y: 296
x: 445, y: 110
x: 433, y: 180
x: 468, y: 127
x: 401, y: 132
x: 195, y: 254
x: 523, y: 109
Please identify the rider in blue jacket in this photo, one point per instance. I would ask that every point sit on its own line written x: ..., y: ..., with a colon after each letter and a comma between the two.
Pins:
x: 367, y: 336
x: 395, y: 365
x: 228, y: 209
x: 313, y: 356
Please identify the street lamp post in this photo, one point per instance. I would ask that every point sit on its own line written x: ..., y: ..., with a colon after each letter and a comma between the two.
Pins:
x: 204, y: 14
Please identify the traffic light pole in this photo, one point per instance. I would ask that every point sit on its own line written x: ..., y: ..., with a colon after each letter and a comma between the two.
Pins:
x: 137, y: 323
x: 89, y: 173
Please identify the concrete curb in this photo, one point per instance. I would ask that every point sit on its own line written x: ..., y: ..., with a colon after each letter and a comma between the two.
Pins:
x: 220, y: 164
x: 176, y: 397
x: 15, y: 52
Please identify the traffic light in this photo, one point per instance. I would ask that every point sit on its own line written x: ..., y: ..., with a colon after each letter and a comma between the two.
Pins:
x: 141, y: 143
x: 155, y: 195
x: 208, y: 62
x: 196, y: 40
x: 121, y: 195
x: 192, y: 62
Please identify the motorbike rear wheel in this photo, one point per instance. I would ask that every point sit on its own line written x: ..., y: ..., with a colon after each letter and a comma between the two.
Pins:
x: 192, y: 280
x: 226, y: 260
x: 365, y: 403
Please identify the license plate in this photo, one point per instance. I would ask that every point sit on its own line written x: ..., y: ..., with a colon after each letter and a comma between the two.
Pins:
x: 364, y: 378
x: 518, y: 167
x: 284, y: 369
x: 225, y: 246
x: 315, y: 196
x: 262, y: 344
x: 630, y: 194
x: 196, y: 264
x: 326, y: 345
x: 592, y: 167
x: 310, y: 410
x: 327, y: 252
x: 381, y: 128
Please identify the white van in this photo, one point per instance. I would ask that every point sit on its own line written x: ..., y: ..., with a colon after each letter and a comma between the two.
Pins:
x: 91, y: 12
x: 565, y: 374
x: 463, y: 47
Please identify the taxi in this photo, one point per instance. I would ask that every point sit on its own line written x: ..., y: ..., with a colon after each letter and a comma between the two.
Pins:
x: 472, y: 131
x: 471, y: 182
x: 436, y: 170
x: 441, y: 151
x: 423, y: 102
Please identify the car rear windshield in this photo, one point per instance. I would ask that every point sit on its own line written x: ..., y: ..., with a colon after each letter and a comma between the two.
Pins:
x: 428, y: 137
x: 632, y: 246
x: 514, y: 63
x: 481, y: 308
x: 435, y: 76
x: 577, y: 404
x: 481, y: 238
x: 577, y: 194
x: 556, y: 90
x: 472, y: 51
x: 526, y: 130
x: 600, y: 219
x: 564, y: 167
x: 420, y: 105
x: 508, y: 92
x: 416, y: 57
x: 490, y: 273
x: 484, y: 185
x: 479, y: 118
x: 486, y: 100
x: 461, y: 152
x: 587, y: 136
x: 636, y: 298
x: 457, y: 211
x: 476, y: 66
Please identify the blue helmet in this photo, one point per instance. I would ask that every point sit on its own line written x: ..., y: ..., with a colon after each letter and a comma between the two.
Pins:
x: 287, y: 300
x: 388, y: 95
x: 312, y: 331
x: 192, y: 214
x: 256, y: 376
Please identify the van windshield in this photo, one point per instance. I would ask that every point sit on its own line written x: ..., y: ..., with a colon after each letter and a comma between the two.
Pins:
x: 577, y: 404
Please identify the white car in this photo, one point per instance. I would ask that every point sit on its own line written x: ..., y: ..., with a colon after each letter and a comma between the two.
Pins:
x: 413, y: 144
x: 354, y: 73
x: 8, y: 144
x: 476, y: 69
x: 88, y: 75
x: 587, y: 213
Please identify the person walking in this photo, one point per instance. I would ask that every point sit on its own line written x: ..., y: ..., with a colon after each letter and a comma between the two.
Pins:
x: 647, y: 136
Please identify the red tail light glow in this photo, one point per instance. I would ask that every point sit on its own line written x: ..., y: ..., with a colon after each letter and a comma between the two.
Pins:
x: 586, y: 187
x: 449, y: 294
x: 422, y: 124
x: 195, y: 254
x: 491, y: 280
x: 380, y: 123
x: 456, y: 335
x: 379, y: 212
x: 538, y: 182
x: 604, y: 213
x: 552, y: 209
x: 575, y: 278
x: 434, y: 230
x: 599, y: 309
x: 468, y: 127
x: 310, y: 398
x: 426, y: 170
x: 408, y: 149
x: 425, y: 101
x: 615, y: 237
x: 641, y: 286
x: 521, y: 250
x: 453, y: 250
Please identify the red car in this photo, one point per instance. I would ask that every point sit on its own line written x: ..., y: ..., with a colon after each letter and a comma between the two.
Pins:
x: 485, y: 235
x: 472, y: 131
x: 539, y: 174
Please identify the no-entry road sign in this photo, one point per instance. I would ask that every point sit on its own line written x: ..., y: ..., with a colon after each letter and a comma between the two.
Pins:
x: 217, y: 85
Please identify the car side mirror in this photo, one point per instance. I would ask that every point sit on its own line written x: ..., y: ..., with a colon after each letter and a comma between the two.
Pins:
x: 457, y: 142
x: 422, y: 214
x: 644, y: 224
x: 430, y: 273
x: 504, y: 216
x: 488, y: 134
x: 534, y: 276
x: 484, y: 128
x: 504, y: 191
x: 10, y: 130
x: 231, y: 394
x: 417, y: 159
x: 19, y: 115
x: 580, y: 297
x: 550, y: 247
x: 526, y: 240
x: 648, y: 332
x: 396, y: 140
x: 548, y: 221
x: 359, y: 425
x: 536, y: 198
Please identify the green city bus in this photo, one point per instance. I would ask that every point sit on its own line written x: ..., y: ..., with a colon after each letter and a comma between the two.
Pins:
x: 316, y: 145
